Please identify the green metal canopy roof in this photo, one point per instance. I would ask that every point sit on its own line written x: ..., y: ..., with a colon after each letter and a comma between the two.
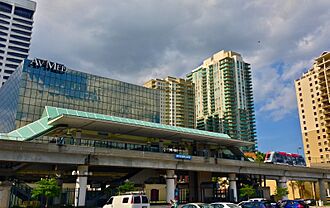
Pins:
x: 54, y: 117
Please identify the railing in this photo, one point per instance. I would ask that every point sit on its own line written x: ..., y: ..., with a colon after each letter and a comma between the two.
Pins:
x: 20, y: 192
x: 146, y: 147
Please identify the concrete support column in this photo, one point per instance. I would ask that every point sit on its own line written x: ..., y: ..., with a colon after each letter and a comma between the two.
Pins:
x: 5, y: 189
x: 282, y: 183
x: 170, y: 185
x: 203, y: 179
x: 81, y: 186
x: 193, y: 186
x: 233, y: 186
x: 323, y: 195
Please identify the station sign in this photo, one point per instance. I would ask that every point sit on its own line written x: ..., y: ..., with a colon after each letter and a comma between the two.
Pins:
x: 183, y: 157
x: 47, y: 65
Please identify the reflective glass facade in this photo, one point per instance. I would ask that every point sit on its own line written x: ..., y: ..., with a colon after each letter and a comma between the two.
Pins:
x: 29, y: 90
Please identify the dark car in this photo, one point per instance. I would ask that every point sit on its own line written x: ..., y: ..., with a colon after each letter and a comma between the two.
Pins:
x: 310, y: 202
x: 256, y: 204
x: 293, y: 204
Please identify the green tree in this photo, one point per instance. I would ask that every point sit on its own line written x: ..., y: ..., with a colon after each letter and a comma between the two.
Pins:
x: 247, y: 191
x: 260, y: 157
x: 127, y: 186
x: 46, y: 187
x: 281, y: 192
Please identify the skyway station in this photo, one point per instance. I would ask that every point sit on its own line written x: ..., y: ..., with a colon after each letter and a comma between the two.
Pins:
x: 93, y: 153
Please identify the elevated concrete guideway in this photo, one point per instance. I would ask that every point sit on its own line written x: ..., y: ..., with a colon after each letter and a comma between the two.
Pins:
x: 30, y: 152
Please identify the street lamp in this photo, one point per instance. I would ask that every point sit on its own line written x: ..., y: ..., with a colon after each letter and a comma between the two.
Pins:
x: 299, y: 148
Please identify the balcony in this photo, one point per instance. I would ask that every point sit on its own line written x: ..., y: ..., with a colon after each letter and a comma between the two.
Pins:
x: 323, y: 89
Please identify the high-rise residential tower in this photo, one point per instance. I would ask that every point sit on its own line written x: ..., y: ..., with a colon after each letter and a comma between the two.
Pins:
x: 223, y: 96
x: 16, y: 21
x: 176, y: 101
x: 313, y: 95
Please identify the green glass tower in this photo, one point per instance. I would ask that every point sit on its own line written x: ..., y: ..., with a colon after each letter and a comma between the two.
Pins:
x: 224, y: 97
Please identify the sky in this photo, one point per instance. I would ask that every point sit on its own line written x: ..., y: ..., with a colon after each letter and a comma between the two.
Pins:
x: 136, y: 40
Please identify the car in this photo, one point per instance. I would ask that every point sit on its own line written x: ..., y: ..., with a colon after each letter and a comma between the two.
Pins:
x: 256, y: 204
x: 223, y: 205
x: 257, y: 199
x: 196, y: 205
x: 310, y: 202
x: 128, y: 201
x: 293, y: 204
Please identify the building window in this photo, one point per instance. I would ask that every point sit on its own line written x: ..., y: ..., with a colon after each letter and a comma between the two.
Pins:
x: 22, y: 21
x: 26, y: 13
x: 5, y: 7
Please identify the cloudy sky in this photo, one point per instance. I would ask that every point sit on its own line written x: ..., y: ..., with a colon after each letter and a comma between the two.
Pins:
x: 135, y: 40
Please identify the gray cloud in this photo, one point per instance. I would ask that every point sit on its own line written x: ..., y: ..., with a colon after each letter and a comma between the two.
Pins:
x: 135, y: 40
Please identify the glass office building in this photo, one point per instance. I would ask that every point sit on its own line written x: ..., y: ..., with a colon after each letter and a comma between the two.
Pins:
x: 31, y: 88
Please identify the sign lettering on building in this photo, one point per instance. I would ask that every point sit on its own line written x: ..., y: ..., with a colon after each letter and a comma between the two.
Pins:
x: 48, y: 65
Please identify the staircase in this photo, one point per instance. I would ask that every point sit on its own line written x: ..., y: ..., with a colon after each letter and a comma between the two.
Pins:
x: 20, y: 192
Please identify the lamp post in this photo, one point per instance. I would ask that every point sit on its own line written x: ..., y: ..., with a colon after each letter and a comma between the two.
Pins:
x: 299, y: 148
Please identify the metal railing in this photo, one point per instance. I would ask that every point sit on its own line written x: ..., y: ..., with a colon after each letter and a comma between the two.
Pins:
x: 146, y: 147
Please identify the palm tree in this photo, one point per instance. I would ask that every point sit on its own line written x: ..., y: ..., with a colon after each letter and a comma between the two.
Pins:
x: 301, y: 188
x: 293, y: 186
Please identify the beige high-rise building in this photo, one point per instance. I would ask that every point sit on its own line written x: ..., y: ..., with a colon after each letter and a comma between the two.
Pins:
x: 223, y: 96
x: 313, y: 91
x: 176, y: 101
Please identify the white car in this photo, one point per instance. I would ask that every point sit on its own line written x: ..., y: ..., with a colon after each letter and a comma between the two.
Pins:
x: 223, y: 205
x: 196, y: 205
x: 128, y: 201
x: 258, y: 199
